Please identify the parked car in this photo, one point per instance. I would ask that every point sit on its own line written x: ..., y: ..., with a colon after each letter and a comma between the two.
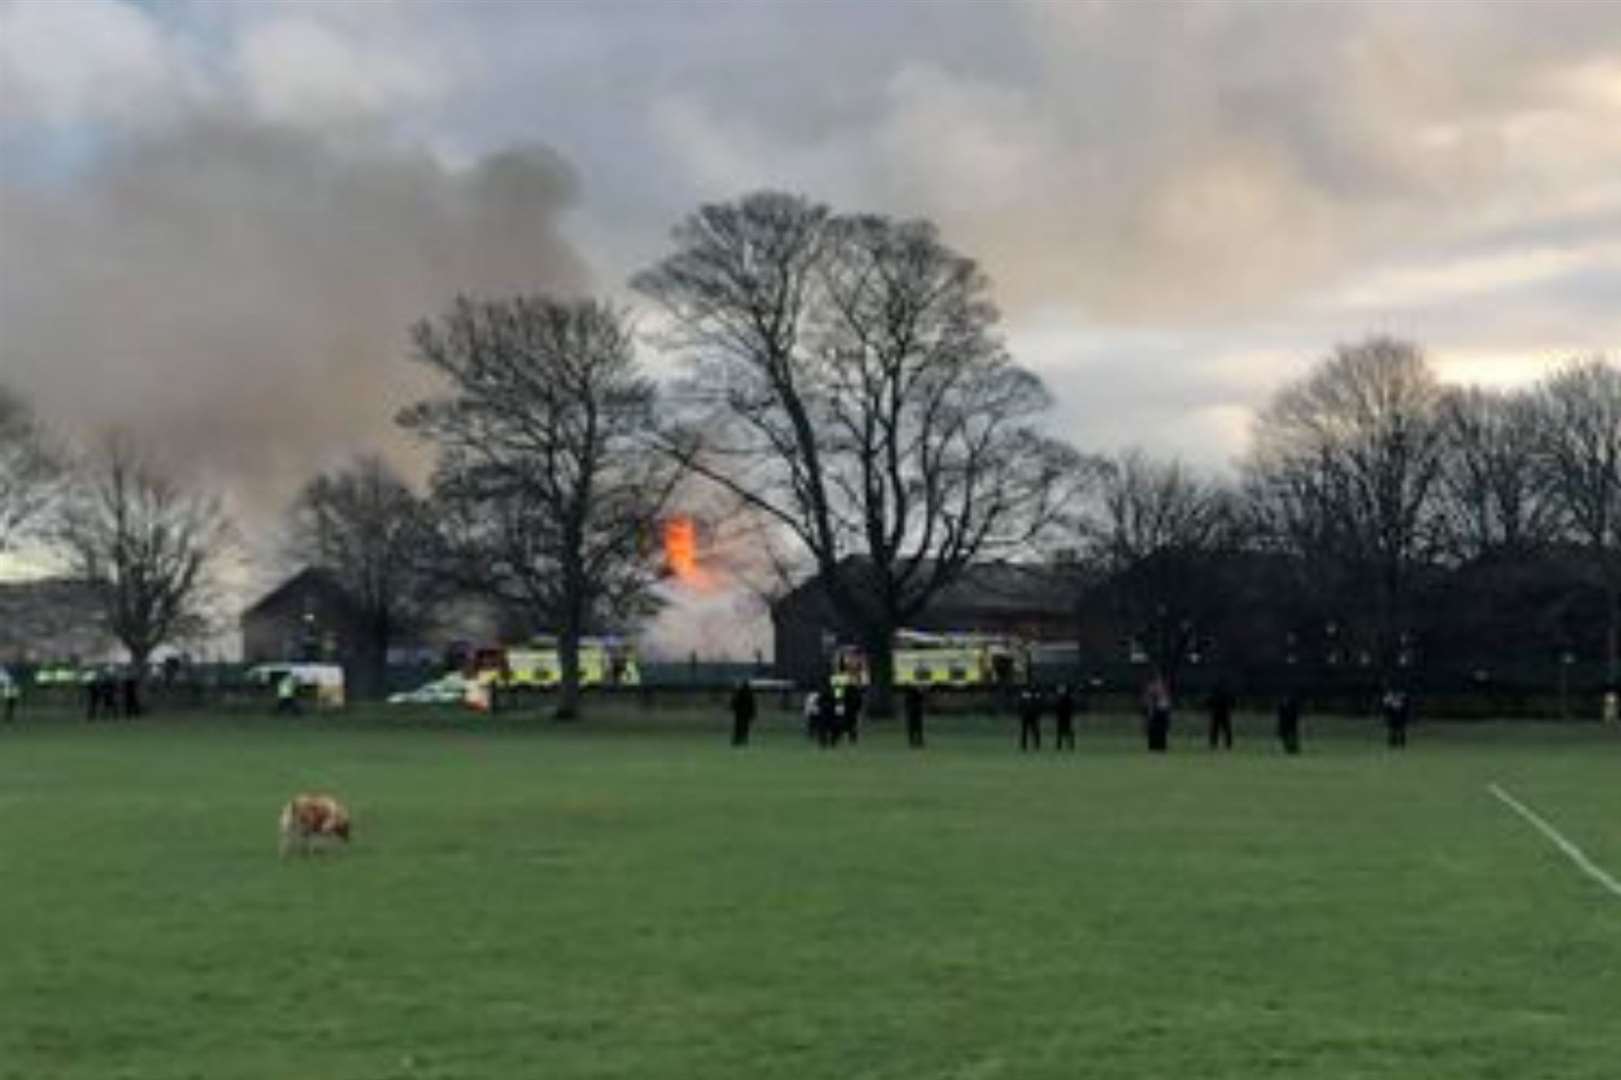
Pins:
x: 449, y: 690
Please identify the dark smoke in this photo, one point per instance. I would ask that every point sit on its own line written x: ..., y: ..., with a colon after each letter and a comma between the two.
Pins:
x: 238, y: 296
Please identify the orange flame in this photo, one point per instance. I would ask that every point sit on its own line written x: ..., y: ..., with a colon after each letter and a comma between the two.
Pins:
x: 681, y: 553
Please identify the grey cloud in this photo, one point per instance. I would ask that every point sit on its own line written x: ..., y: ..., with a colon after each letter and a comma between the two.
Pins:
x: 1143, y: 162
x: 1134, y: 162
x: 1183, y: 181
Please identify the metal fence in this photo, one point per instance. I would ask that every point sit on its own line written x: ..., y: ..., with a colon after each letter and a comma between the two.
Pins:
x: 1553, y: 691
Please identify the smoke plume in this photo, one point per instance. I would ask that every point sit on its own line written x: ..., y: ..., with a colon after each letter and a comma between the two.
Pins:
x: 237, y: 295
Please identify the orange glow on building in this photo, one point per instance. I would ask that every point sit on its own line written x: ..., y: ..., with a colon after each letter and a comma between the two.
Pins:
x: 681, y: 552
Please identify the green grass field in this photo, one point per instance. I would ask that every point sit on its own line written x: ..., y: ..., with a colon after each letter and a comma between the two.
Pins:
x: 630, y: 897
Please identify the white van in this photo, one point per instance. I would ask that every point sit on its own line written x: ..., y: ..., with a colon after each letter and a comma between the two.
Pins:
x: 327, y: 679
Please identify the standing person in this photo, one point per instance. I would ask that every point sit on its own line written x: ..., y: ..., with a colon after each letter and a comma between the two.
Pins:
x: 1220, y: 704
x: 287, y: 694
x: 1289, y: 722
x: 742, y: 713
x: 109, y: 693
x: 103, y: 700
x: 812, y: 705
x: 1029, y: 719
x: 914, y: 717
x: 11, y: 692
x: 1398, y: 711
x: 1064, y: 711
x: 131, y: 693
x: 1157, y: 713
x: 826, y: 715
x: 850, y: 712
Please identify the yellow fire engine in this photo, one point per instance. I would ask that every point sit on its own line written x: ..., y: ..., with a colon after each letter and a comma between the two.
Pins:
x: 604, y: 661
x: 955, y: 658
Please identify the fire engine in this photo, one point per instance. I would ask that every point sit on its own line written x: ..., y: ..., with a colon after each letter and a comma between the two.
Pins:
x: 604, y: 661
x: 953, y: 658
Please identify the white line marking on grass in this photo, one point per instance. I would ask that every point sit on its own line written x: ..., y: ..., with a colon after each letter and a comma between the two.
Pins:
x: 1587, y: 866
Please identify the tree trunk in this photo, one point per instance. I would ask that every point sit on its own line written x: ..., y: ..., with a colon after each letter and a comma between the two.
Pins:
x: 568, y: 654
x: 375, y: 660
x: 880, y: 649
x: 374, y: 672
x: 1386, y: 640
x: 1612, y: 634
x: 1165, y: 650
x: 130, y: 696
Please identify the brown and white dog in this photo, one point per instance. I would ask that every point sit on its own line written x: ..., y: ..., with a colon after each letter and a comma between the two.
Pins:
x: 308, y: 818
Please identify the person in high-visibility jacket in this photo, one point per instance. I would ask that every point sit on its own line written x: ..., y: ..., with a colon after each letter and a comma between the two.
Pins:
x: 287, y: 694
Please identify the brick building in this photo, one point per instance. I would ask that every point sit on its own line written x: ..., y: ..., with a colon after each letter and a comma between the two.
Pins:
x: 307, y: 617
x: 310, y: 616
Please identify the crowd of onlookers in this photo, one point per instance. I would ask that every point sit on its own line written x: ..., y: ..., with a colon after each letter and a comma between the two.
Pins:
x: 833, y: 713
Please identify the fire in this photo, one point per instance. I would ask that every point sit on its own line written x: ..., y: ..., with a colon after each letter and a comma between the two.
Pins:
x: 681, y: 553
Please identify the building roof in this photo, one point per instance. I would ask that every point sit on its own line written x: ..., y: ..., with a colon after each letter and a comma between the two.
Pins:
x: 997, y: 587
x: 1025, y: 588
x: 311, y: 578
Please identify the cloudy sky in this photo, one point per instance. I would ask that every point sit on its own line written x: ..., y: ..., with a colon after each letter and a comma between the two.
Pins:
x: 218, y: 220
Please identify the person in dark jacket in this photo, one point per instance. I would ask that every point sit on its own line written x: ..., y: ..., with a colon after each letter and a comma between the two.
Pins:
x: 131, y: 687
x: 914, y: 717
x: 1157, y: 713
x: 1030, y: 719
x: 1398, y: 713
x: 1289, y: 722
x: 103, y: 696
x: 827, y: 715
x: 850, y: 713
x: 742, y: 713
x: 1220, y: 704
x: 1064, y: 712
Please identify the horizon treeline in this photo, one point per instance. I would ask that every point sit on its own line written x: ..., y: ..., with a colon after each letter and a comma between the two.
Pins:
x: 844, y: 391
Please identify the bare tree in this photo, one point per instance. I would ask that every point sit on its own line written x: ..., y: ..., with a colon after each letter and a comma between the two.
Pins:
x: 29, y: 470
x: 846, y: 383
x: 146, y: 544
x: 1152, y: 538
x: 1343, y: 472
x: 548, y: 481
x: 1493, y: 501
x: 1579, y: 413
x: 367, y: 528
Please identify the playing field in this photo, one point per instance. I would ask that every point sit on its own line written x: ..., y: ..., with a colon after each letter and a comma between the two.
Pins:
x: 630, y: 897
